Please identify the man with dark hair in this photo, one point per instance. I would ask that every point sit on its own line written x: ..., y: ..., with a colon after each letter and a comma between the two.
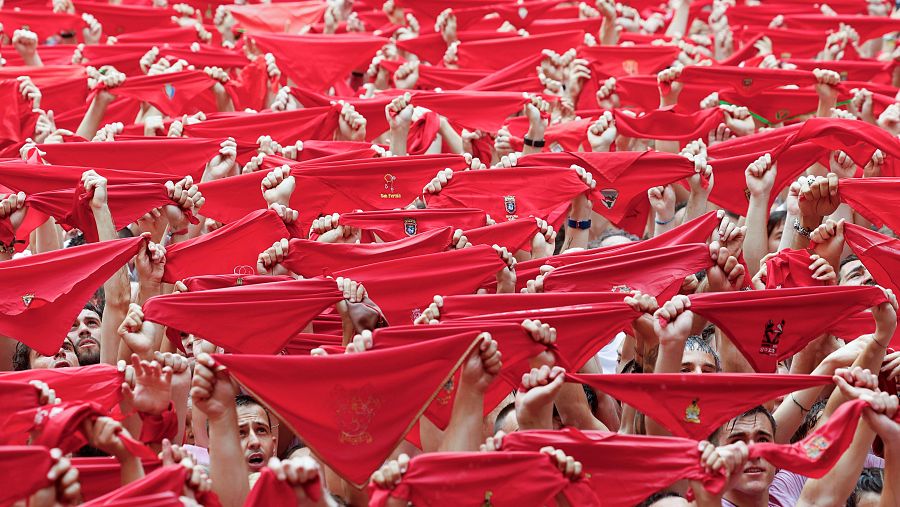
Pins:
x: 85, y: 334
x: 852, y: 272
x: 752, y: 487
x: 868, y: 488
x: 26, y: 358
x: 699, y: 357
x: 259, y: 437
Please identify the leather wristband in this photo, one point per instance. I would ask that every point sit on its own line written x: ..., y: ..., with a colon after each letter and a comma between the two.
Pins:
x: 575, y: 224
x: 533, y: 142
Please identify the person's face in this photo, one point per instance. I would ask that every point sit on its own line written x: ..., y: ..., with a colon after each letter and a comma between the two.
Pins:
x: 854, y: 273
x: 757, y: 474
x: 85, y: 334
x: 697, y: 361
x: 65, y: 358
x: 775, y: 237
x: 257, y: 440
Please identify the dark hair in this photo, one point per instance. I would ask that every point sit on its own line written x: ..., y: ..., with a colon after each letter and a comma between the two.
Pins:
x: 245, y: 400
x: 501, y: 415
x: 290, y: 450
x: 655, y: 497
x: 591, y: 397
x: 809, y: 421
x: 759, y: 409
x: 696, y: 342
x: 871, y: 480
x: 20, y: 357
x: 845, y: 260
x: 776, y: 218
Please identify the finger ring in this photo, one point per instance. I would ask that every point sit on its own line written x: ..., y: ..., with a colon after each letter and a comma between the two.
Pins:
x: 810, y: 179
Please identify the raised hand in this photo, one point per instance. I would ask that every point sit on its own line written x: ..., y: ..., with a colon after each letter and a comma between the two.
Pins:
x: 269, y: 261
x: 538, y: 390
x: 142, y: 337
x: 278, y: 186
x: 153, y: 385
x: 483, y: 364
x: 212, y: 390
x: 96, y: 185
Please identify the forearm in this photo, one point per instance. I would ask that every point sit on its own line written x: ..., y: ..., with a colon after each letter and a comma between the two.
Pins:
x: 47, y: 237
x: 463, y: 433
x: 227, y: 467
x: 131, y: 470
x: 223, y: 99
x: 574, y: 410
x: 147, y: 290
x: 678, y: 26
x: 807, y: 222
x: 535, y: 133
x: 837, y: 485
x: 450, y: 136
x: 92, y: 118
x: 756, y: 240
x: 398, y: 141
x: 669, y: 358
x: 696, y: 205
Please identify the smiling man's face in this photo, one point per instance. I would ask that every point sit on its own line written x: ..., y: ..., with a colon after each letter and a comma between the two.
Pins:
x: 257, y: 438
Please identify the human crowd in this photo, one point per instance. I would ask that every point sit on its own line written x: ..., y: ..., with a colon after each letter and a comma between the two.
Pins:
x: 501, y: 253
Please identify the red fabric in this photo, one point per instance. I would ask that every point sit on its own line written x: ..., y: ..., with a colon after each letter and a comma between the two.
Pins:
x: 470, y: 478
x: 270, y: 492
x: 60, y: 426
x: 517, y: 347
x: 286, y: 127
x: 517, y: 76
x: 402, y: 288
x: 497, y: 53
x: 318, y: 61
x: 668, y: 459
x: 231, y: 249
x: 172, y: 93
x: 767, y: 326
x: 622, y: 180
x: 666, y: 124
x: 618, y: 61
x: 877, y: 199
x: 658, y: 272
x: 880, y: 255
x: 118, y: 19
x: 582, y: 330
x: 392, y: 225
x: 98, y: 476
x: 165, y: 499
x: 281, y: 17
x: 313, y: 258
x: 33, y: 178
x: 163, y: 479
x: 301, y: 344
x: 694, y: 406
x: 790, y: 268
x: 570, y: 135
x: 44, y: 22
x: 98, y: 383
x: 431, y: 77
x: 209, y: 282
x: 820, y: 451
x: 854, y: 70
x: 44, y: 293
x: 251, y: 319
x: 380, y: 183
x: 868, y: 27
x: 474, y: 110
x: 26, y: 467
x: 511, y: 193
x: 177, y: 156
x: 20, y: 403
x: 474, y: 305
x: 746, y: 81
x: 643, y: 92
x: 514, y: 235
x: 355, y: 408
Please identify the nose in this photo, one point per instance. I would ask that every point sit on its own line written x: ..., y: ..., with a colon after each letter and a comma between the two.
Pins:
x: 253, y: 441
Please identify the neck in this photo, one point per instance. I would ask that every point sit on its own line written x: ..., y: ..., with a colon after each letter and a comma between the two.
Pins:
x: 741, y: 499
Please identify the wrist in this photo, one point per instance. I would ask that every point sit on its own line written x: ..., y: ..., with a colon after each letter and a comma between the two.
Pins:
x: 226, y: 417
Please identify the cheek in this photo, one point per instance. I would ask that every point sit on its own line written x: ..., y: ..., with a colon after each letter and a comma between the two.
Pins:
x: 40, y: 362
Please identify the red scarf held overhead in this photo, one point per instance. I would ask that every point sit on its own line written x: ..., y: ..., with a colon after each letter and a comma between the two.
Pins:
x: 501, y: 479
x: 518, y: 76
x: 393, y: 225
x: 497, y: 53
x: 581, y: 330
x: 252, y: 319
x: 20, y: 403
x: 880, y: 255
x: 694, y: 406
x: 746, y: 81
x: 286, y: 127
x: 767, y: 326
x: 318, y: 61
x: 659, y: 272
x: 403, y: 288
x: 627, y: 457
x: 98, y: 383
x: 170, y: 479
x: 172, y: 93
x: 820, y: 451
x: 431, y: 77
x: 101, y: 475
x: 515, y: 235
x: 622, y: 180
x: 868, y: 27
x: 26, y: 466
x: 281, y: 17
x: 43, y: 293
x: 473, y: 305
x: 60, y: 426
x: 118, y: 19
x: 517, y: 347
x: 43, y: 22
x: 877, y: 199
x: 302, y: 344
x: 667, y: 124
x: 314, y: 258
x: 355, y: 408
x: 507, y: 194
x: 474, y: 110
x: 211, y: 282
x: 790, y: 268
x: 231, y: 249
x: 271, y: 492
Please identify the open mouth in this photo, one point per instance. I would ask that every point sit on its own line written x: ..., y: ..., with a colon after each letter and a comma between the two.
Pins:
x: 754, y: 470
x: 256, y: 460
x: 62, y: 364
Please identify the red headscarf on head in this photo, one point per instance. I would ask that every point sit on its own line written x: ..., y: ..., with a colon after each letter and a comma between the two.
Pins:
x: 646, y: 463
x: 485, y: 478
x: 767, y: 326
x: 694, y: 406
x: 43, y: 293
x: 251, y: 319
x: 355, y: 408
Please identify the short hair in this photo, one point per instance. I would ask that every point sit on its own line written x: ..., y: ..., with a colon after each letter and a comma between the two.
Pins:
x: 655, y: 497
x: 809, y: 421
x: 21, y: 357
x: 759, y: 409
x: 696, y: 342
x: 501, y: 415
x: 847, y: 259
x: 592, y: 399
x: 290, y: 450
x: 871, y: 480
x: 776, y: 218
x: 245, y: 400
